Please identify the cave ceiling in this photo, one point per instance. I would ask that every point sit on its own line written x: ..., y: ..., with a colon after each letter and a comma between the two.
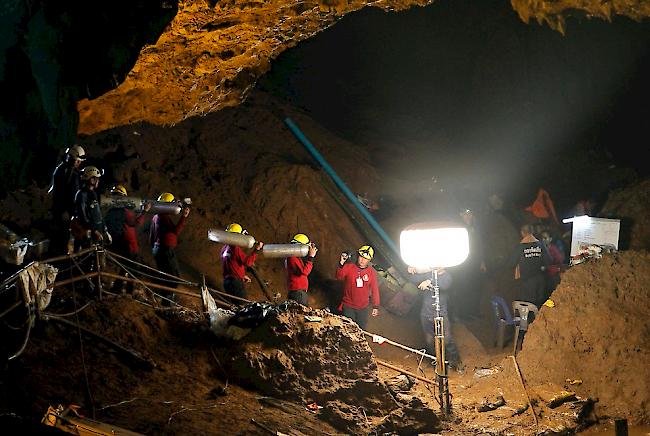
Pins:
x: 212, y: 53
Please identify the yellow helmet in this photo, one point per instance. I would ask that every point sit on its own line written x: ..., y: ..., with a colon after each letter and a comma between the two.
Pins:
x: 367, y: 252
x: 119, y: 190
x: 166, y: 197
x: 234, y: 228
x: 300, y: 238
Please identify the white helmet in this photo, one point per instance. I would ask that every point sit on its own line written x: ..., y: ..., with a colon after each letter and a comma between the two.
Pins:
x: 76, y: 152
x: 89, y: 172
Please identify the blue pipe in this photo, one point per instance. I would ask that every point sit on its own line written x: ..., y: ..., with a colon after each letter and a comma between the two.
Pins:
x: 341, y: 185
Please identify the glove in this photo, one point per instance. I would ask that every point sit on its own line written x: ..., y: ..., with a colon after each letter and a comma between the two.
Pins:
x: 109, y: 238
x: 424, y: 285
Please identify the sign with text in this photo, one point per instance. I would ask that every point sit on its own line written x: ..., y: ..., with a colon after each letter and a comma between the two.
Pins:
x: 593, y: 231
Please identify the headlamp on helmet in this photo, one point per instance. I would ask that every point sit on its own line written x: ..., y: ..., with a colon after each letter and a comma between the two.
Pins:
x: 235, y: 228
x: 166, y: 197
x: 75, y: 152
x: 367, y: 252
x: 89, y: 172
x: 119, y: 190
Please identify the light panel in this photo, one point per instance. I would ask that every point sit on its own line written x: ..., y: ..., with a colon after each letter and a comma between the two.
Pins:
x: 434, y: 245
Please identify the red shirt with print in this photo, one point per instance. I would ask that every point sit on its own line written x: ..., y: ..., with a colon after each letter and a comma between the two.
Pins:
x: 359, y: 286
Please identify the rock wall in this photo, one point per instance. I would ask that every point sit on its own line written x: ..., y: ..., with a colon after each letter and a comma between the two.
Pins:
x: 213, y: 52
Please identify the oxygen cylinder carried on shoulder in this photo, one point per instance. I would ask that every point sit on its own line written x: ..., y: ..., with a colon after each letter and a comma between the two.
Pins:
x: 247, y: 241
x: 137, y: 204
x: 230, y: 238
x: 110, y: 201
x: 285, y: 250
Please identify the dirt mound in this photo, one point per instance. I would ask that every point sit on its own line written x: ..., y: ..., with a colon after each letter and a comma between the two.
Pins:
x: 182, y: 394
x: 632, y: 206
x: 328, y: 362
x: 597, y: 333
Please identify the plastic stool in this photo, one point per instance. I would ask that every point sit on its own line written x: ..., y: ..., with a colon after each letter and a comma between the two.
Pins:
x: 523, y: 309
x: 502, y: 318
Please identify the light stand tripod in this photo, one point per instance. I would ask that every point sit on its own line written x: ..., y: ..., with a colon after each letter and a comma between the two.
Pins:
x: 441, y: 364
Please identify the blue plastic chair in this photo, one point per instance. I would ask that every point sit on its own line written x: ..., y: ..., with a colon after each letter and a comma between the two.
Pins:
x: 502, y: 318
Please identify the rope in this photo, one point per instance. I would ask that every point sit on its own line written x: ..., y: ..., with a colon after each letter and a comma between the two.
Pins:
x: 69, y: 256
x: 29, y: 329
x: 142, y: 273
x: 69, y: 313
x: 72, y: 266
x: 233, y: 297
x: 404, y: 347
x: 180, y: 280
x: 427, y: 385
x: 81, y: 348
x: 129, y: 271
x: 92, y: 286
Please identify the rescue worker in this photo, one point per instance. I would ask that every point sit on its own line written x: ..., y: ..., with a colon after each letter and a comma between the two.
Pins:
x: 87, y: 224
x: 122, y: 224
x: 65, y: 184
x: 557, y: 259
x: 234, y: 262
x: 360, y: 286
x: 298, y: 271
x: 530, y: 260
x: 163, y: 236
x: 469, y: 293
x: 428, y: 313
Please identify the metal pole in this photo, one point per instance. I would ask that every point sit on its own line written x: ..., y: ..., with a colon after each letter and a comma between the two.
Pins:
x: 441, y: 364
x: 151, y: 285
x: 403, y: 347
x: 403, y: 371
x: 74, y: 279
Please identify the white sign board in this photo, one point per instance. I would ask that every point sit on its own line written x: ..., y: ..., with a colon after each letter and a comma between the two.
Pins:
x: 598, y: 231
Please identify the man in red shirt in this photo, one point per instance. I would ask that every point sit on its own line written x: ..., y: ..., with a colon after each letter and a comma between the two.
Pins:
x: 122, y: 224
x: 234, y: 262
x: 298, y: 271
x: 163, y: 237
x: 359, y: 286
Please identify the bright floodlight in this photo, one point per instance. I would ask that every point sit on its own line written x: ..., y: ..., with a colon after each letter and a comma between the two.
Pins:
x: 434, y: 245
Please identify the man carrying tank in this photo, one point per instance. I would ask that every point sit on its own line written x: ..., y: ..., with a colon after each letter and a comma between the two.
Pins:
x: 298, y: 271
x: 122, y: 223
x: 234, y: 262
x: 163, y: 236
